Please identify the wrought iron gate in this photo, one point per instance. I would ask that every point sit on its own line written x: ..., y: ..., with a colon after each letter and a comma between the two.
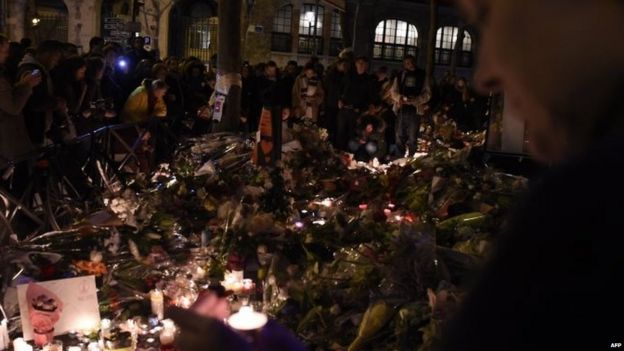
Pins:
x: 193, y: 30
x: 47, y: 21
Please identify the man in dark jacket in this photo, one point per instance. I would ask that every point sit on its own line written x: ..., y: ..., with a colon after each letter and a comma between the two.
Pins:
x: 408, y: 88
x: 552, y: 282
x: 358, y: 93
x: 333, y: 86
x: 39, y: 109
x: 14, y: 141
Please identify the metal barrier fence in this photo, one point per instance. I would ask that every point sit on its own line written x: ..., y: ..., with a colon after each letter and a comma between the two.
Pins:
x: 50, y: 191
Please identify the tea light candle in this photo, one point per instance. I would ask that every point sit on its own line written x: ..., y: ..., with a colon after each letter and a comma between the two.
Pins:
x: 247, y: 319
x: 20, y: 345
x: 74, y: 348
x: 55, y: 345
x: 200, y: 273
x: 248, y: 284
x: 131, y: 326
x: 233, y: 281
x: 167, y: 335
x: 158, y: 303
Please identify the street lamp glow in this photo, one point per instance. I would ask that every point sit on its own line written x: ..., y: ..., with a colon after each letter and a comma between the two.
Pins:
x: 309, y: 18
x: 35, y: 21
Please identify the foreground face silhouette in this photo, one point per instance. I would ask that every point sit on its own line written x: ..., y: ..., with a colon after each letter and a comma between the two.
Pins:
x: 559, y: 64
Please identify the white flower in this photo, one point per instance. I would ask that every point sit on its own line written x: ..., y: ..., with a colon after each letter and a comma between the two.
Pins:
x: 113, y: 242
x: 323, y: 134
x: 96, y: 256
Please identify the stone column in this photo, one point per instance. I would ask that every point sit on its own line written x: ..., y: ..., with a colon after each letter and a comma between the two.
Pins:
x: 82, y: 22
x: 15, y: 21
x: 327, y: 23
x: 229, y: 63
x: 295, y: 29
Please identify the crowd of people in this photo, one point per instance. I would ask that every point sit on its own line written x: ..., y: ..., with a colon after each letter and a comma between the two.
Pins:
x: 51, y: 93
x: 373, y: 115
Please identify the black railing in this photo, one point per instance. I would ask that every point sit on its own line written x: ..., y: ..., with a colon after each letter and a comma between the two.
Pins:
x: 281, y: 42
x: 445, y: 56
x: 310, y: 45
x: 393, y: 52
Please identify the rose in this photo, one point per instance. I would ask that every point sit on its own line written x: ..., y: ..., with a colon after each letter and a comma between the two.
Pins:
x: 41, y: 323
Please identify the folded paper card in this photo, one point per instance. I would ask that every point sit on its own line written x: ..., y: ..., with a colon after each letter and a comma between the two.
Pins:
x: 57, y: 307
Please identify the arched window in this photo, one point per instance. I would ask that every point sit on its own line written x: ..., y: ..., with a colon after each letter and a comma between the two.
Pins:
x: 335, y: 44
x: 281, y: 37
x: 311, y: 29
x: 446, y: 38
x: 394, y: 40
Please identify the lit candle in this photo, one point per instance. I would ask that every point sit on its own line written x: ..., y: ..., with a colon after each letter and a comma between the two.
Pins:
x: 55, y: 345
x: 327, y: 202
x: 131, y: 326
x: 158, y: 303
x: 233, y: 281
x: 200, y: 273
x: 105, y: 324
x: 20, y: 345
x: 167, y: 335
x: 247, y: 284
x: 184, y: 302
x: 246, y: 319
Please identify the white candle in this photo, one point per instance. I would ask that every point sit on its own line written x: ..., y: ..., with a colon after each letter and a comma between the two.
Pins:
x: 105, y: 324
x: 55, y: 345
x: 74, y: 348
x: 158, y: 303
x: 247, y: 285
x: 167, y: 335
x: 200, y: 273
x: 5, y: 341
x: 233, y: 281
x: 20, y: 345
x: 247, y: 319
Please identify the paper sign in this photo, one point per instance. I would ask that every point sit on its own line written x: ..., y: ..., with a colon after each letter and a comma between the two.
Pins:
x: 218, y: 108
x: 58, y: 306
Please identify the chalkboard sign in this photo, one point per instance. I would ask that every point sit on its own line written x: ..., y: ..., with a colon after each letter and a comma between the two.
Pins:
x: 115, y: 30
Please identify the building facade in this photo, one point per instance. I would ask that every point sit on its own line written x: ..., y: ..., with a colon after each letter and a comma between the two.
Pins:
x: 280, y: 30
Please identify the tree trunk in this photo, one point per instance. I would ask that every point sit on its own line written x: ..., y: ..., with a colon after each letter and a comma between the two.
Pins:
x: 457, y: 50
x: 433, y: 27
x: 229, y: 62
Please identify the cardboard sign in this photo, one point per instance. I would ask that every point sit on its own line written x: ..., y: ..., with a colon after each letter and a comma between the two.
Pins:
x: 264, y: 143
x: 58, y: 306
